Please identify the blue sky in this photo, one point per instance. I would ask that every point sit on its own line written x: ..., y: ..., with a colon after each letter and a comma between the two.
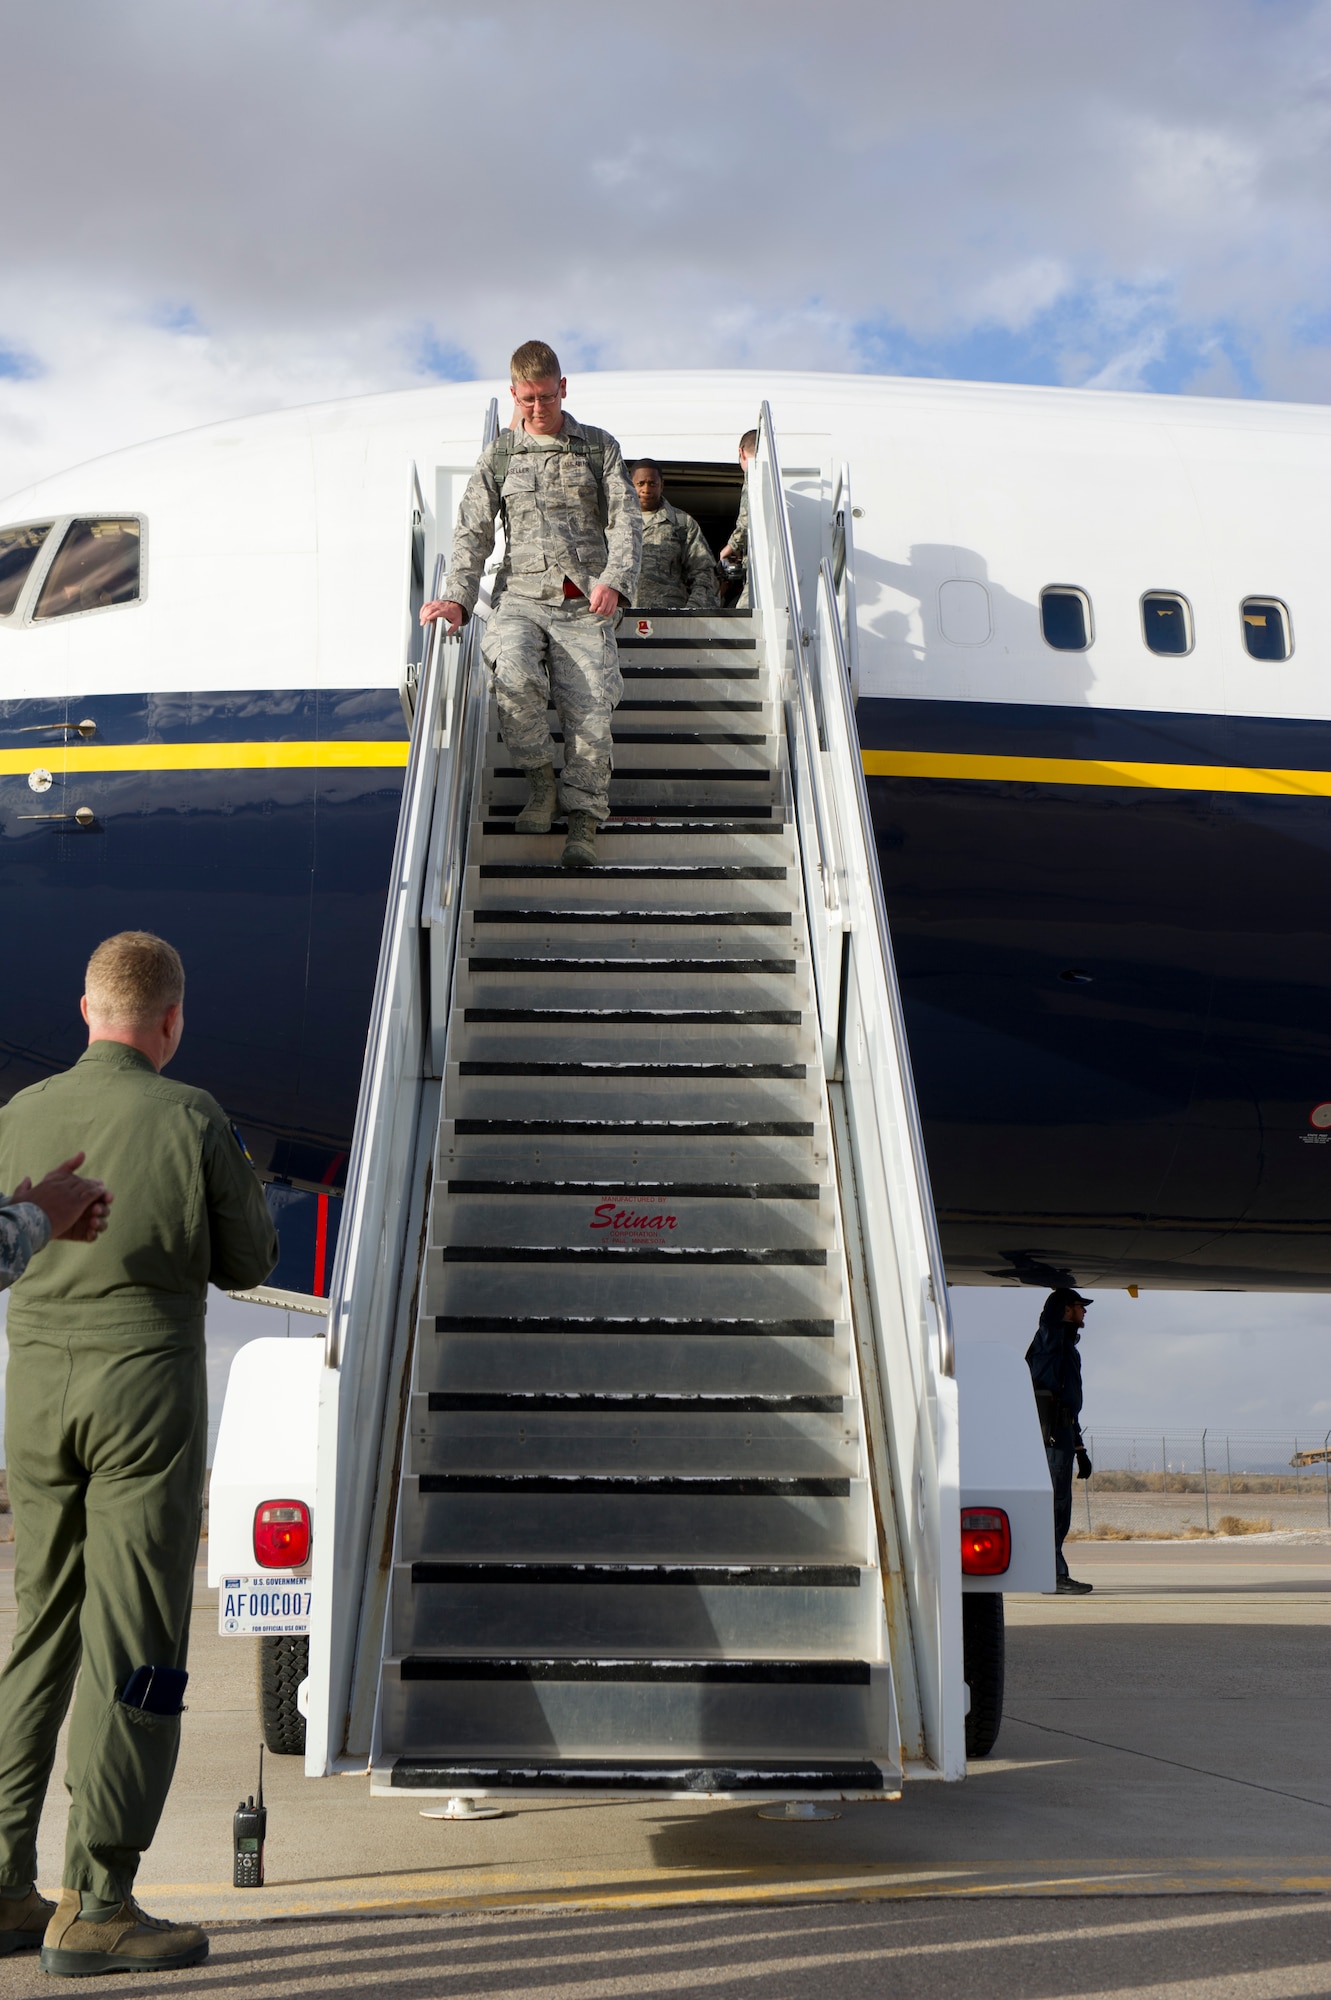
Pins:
x: 258, y: 203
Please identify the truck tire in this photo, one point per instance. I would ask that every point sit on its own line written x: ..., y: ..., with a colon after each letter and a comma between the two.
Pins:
x: 283, y: 1665
x: 982, y: 1662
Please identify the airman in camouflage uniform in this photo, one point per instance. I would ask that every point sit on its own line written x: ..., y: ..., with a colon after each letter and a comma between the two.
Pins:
x: 678, y: 567
x: 574, y: 543
x: 736, y: 549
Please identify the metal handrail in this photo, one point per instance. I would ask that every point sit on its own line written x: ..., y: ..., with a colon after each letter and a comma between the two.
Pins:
x: 799, y: 640
x: 422, y: 765
x: 896, y: 1010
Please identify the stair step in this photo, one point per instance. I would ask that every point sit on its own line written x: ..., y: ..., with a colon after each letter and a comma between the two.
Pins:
x: 613, y: 1253
x: 674, y: 1329
x: 675, y: 670
x: 682, y: 705
x: 675, y: 642
x: 648, y: 1190
x: 671, y: 1017
x: 662, y: 1776
x: 769, y: 919
x: 643, y: 1485
x: 640, y: 1576
x: 691, y: 774
x: 639, y: 871
x: 627, y: 1402
x: 624, y: 1071
x: 640, y: 1128
x: 759, y: 820
x: 725, y: 1673
x: 659, y: 967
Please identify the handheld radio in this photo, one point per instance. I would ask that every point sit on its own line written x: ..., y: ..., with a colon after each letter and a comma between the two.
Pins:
x: 248, y: 1829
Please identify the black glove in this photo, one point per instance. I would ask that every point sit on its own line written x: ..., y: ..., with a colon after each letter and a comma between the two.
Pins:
x: 1084, y: 1466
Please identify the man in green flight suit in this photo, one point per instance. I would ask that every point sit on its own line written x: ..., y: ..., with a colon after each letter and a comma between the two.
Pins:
x: 106, y: 1426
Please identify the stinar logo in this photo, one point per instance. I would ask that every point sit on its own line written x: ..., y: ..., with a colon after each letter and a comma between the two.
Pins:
x: 607, y: 1216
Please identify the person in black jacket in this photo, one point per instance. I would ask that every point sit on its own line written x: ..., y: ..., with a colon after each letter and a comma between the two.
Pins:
x: 1054, y: 1360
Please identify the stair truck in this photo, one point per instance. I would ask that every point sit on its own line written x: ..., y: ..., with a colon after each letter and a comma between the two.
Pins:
x: 630, y: 1457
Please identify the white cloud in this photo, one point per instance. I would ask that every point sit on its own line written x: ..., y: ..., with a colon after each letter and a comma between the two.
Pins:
x: 263, y: 201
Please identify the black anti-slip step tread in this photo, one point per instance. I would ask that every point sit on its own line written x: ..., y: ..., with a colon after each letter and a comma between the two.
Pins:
x: 640, y: 1128
x: 650, y: 1576
x: 679, y: 705
x: 664, y: 671
x: 633, y: 1070
x: 612, y: 966
x: 646, y: 1485
x: 631, y: 1402
x: 622, y: 1253
x: 681, y: 642
x: 670, y: 1017
x: 562, y: 1325
x: 650, y: 1190
x: 641, y: 871
x: 802, y: 1777
x: 720, y: 1673
x: 773, y: 919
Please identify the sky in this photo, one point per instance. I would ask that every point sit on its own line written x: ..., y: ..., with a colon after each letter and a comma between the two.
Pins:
x: 235, y: 205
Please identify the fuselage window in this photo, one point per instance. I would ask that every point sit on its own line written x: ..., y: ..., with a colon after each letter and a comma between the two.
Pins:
x: 1266, y: 629
x: 1065, y: 618
x: 96, y: 565
x: 1166, y: 622
x: 19, y: 550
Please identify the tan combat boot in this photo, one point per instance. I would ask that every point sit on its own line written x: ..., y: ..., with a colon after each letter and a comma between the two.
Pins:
x: 580, y: 847
x: 539, y: 810
x: 130, y: 1941
x: 22, y: 1921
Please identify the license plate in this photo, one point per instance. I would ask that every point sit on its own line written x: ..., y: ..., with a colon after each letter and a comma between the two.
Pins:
x: 263, y: 1607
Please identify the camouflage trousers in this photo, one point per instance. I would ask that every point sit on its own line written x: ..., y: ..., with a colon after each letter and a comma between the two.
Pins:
x: 541, y: 653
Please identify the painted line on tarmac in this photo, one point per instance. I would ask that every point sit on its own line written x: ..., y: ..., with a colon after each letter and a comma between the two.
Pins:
x: 429, y: 1891
x: 1152, y: 1757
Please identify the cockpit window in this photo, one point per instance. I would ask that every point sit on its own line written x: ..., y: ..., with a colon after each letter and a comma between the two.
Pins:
x: 1166, y: 622
x: 1266, y: 631
x: 96, y: 565
x: 19, y: 549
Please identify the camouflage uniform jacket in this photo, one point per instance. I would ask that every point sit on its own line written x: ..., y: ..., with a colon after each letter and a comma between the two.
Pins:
x: 677, y: 565
x: 24, y: 1230
x: 738, y: 538
x: 559, y: 524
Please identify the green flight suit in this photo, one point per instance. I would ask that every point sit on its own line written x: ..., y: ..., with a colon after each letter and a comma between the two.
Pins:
x: 105, y: 1435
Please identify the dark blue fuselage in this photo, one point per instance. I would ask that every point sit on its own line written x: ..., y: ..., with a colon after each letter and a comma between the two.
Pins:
x: 1116, y: 996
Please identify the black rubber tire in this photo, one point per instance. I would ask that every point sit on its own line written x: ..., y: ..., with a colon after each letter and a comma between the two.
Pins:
x: 283, y: 1665
x: 982, y: 1651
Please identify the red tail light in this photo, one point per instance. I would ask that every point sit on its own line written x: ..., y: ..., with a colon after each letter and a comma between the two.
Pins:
x: 986, y: 1541
x: 282, y: 1534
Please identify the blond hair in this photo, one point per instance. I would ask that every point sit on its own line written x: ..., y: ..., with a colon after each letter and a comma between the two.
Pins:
x: 133, y: 978
x: 534, y: 361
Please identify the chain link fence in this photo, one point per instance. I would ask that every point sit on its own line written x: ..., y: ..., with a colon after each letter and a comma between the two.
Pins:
x: 1202, y: 1482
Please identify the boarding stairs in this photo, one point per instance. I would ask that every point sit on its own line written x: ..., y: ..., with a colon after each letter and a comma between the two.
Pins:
x: 635, y: 1522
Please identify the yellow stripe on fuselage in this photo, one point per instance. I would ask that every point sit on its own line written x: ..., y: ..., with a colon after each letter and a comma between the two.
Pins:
x: 74, y: 758
x: 1092, y: 771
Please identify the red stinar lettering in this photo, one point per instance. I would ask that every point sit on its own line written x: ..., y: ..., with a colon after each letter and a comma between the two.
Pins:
x: 607, y: 1216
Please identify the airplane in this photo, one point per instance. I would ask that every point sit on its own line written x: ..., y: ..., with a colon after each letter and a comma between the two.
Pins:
x: 1088, y: 633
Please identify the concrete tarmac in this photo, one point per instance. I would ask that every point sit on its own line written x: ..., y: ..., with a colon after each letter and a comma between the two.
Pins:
x: 1156, y: 1817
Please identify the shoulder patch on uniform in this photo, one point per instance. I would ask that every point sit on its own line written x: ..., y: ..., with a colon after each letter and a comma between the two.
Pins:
x: 236, y: 1135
